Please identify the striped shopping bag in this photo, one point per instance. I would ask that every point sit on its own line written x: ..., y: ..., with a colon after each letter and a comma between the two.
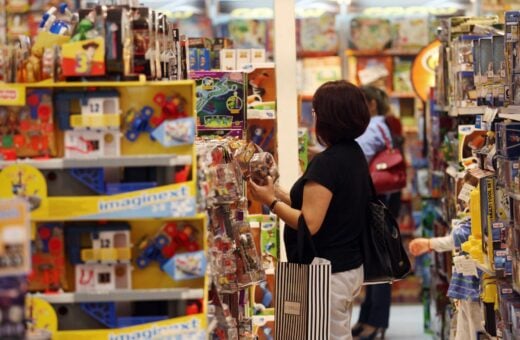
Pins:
x: 302, y: 306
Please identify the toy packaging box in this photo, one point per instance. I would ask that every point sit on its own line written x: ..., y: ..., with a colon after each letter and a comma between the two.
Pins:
x: 465, y: 92
x: 196, y: 25
x: 465, y: 24
x: 243, y: 58
x: 218, y: 45
x: 245, y: 33
x: 48, y: 259
x: 477, y: 74
x: 15, y: 262
x: 13, y: 291
x: 372, y: 69
x: 261, y: 95
x: 401, y: 76
x: 368, y: 33
x: 317, y: 34
x: 486, y: 70
x: 470, y: 139
x: 14, y: 237
x: 508, y: 139
x: 316, y: 71
x: 410, y: 32
x: 499, y: 71
x: 303, y: 148
x: 220, y: 100
x: 228, y: 59
x: 29, y: 131
x: 84, y: 58
x: 512, y: 19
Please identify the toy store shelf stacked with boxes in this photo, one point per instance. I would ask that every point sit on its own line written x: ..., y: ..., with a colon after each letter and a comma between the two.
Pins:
x: 108, y: 169
x: 108, y: 172
x: 479, y: 80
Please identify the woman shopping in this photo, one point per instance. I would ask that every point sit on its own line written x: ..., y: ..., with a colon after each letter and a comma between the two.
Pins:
x: 330, y: 195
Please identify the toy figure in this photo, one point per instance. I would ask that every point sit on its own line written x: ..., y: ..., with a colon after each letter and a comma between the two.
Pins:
x: 12, y: 123
x: 85, y: 27
x: 33, y: 67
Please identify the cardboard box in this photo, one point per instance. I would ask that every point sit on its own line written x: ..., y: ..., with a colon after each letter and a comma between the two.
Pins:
x: 228, y: 59
x: 470, y: 138
x: 243, y: 58
x: 204, y: 59
x: 508, y: 139
x: 257, y: 55
x: 84, y: 58
x: 194, y: 59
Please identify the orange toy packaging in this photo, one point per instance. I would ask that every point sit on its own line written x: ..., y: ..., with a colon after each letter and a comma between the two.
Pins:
x: 28, y: 131
x: 84, y: 58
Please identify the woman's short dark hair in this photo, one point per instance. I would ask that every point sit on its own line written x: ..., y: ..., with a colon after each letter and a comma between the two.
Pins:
x: 380, y: 96
x: 341, y: 112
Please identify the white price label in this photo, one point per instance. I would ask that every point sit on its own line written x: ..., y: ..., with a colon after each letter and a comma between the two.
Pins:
x: 465, y: 192
x: 468, y: 267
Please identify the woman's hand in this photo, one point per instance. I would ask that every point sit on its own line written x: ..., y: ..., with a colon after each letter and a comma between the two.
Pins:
x: 262, y: 193
x: 419, y: 246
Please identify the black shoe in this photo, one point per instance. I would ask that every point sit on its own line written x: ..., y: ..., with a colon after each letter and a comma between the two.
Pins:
x: 374, y: 334
x: 357, y: 329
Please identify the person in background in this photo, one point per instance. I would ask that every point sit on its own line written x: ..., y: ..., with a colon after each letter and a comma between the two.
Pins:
x: 396, y: 130
x: 375, y: 309
x: 464, y: 289
x: 329, y: 197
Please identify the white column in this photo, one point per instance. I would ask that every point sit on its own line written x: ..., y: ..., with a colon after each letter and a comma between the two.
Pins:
x: 286, y: 95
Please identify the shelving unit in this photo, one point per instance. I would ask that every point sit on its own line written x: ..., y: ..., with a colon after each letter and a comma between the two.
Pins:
x: 87, y: 201
x: 124, y: 296
x: 123, y: 161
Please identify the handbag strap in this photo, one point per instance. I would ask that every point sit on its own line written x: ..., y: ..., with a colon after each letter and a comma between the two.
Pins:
x: 303, y: 234
x: 388, y: 143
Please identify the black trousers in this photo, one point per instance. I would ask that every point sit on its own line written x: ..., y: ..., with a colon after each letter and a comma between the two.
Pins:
x: 375, y: 309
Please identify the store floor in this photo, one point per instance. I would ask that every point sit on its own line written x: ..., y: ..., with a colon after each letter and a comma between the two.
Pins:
x: 406, y: 322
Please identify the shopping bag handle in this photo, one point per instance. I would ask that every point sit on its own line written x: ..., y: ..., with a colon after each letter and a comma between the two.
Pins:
x: 304, y: 235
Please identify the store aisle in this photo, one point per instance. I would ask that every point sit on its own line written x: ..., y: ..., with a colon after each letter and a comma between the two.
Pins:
x: 406, y: 323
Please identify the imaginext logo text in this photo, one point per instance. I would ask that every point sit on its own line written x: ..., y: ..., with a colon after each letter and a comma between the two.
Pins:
x: 142, y: 199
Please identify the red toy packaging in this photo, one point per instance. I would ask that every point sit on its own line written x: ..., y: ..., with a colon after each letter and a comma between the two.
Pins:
x: 28, y: 131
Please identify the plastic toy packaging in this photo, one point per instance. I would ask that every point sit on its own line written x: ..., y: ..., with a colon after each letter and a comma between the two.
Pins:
x: 249, y: 266
x: 223, y: 178
x: 262, y: 165
x: 226, y: 183
x: 225, y: 326
x: 256, y: 164
x: 223, y: 264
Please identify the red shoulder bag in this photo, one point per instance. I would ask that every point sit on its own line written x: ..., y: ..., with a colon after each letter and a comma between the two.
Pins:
x: 388, y: 168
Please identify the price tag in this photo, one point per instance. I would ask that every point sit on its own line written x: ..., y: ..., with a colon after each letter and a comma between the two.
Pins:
x: 465, y: 192
x: 468, y: 266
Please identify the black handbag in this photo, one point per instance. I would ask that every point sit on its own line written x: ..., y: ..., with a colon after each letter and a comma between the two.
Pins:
x: 384, y: 257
